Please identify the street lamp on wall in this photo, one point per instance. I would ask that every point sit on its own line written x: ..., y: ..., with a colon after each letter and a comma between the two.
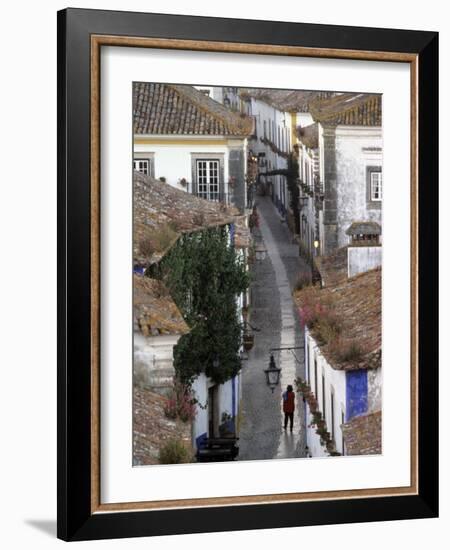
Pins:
x: 272, y: 374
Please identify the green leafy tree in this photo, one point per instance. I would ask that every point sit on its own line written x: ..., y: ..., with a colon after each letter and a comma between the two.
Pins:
x: 205, y: 275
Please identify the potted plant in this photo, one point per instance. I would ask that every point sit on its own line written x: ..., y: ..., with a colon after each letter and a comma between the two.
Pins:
x: 321, y: 425
x: 313, y: 406
x: 225, y: 425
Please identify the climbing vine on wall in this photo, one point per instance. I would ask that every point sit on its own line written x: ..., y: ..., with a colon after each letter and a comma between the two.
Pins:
x: 205, y: 275
x: 292, y: 179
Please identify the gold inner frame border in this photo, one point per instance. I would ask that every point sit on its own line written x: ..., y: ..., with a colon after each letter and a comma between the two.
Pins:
x: 97, y: 41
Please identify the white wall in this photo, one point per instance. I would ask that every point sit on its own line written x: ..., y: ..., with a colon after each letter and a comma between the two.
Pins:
x: 363, y: 258
x: 307, y: 172
x: 334, y: 380
x: 315, y: 449
x: 173, y: 162
x: 375, y: 389
x: 153, y: 360
x: 200, y: 387
x: 225, y: 399
x: 304, y: 119
x: 28, y: 467
x: 351, y: 163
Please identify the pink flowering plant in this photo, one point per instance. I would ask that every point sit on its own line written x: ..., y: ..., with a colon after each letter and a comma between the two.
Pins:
x: 319, y: 316
x: 180, y: 403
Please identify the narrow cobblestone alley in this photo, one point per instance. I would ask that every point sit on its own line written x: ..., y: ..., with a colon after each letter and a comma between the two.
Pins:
x: 273, y: 313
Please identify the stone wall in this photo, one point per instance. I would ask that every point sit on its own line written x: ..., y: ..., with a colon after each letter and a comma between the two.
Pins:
x: 236, y: 171
x: 330, y: 213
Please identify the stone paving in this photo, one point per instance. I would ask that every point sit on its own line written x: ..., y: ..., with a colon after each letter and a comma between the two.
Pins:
x: 273, y: 312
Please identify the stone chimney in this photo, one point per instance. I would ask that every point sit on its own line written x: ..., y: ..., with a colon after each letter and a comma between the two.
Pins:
x: 364, y: 249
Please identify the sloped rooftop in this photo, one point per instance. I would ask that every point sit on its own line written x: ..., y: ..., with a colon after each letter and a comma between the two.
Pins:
x: 364, y: 228
x: 155, y: 313
x: 362, y: 434
x: 348, y: 109
x: 333, y: 268
x: 163, y: 109
x: 162, y: 213
x: 151, y: 427
x: 285, y: 100
x: 356, y: 304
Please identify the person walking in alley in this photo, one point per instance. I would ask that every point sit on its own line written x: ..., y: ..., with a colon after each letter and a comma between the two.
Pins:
x: 289, y: 407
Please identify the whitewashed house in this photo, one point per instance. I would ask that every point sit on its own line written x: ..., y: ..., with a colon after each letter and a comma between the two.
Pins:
x: 164, y: 215
x: 277, y: 114
x: 310, y: 191
x: 158, y: 325
x: 271, y: 141
x: 190, y: 141
x: 343, y: 363
x: 350, y: 179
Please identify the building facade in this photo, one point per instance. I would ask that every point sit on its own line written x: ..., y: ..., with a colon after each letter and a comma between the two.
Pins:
x: 192, y: 142
x: 350, y: 165
x: 343, y: 364
x: 310, y: 191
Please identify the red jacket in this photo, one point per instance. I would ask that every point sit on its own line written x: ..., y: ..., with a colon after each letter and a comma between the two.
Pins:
x: 288, y: 402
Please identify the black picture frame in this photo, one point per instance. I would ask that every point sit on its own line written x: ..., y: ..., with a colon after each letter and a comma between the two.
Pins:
x: 75, y: 518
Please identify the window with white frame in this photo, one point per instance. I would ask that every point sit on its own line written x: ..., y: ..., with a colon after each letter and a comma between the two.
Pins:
x: 208, y: 179
x: 374, y: 179
x: 375, y: 186
x: 144, y: 165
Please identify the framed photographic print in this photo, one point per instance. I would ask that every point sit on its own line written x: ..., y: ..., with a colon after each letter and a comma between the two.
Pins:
x: 247, y: 274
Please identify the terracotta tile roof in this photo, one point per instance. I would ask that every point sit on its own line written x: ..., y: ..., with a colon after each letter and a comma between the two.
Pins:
x: 364, y: 228
x: 333, y: 269
x: 162, y: 213
x: 309, y: 135
x: 163, y: 109
x: 355, y: 304
x: 155, y: 313
x: 285, y: 100
x: 348, y: 109
x: 362, y: 434
x: 151, y: 427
